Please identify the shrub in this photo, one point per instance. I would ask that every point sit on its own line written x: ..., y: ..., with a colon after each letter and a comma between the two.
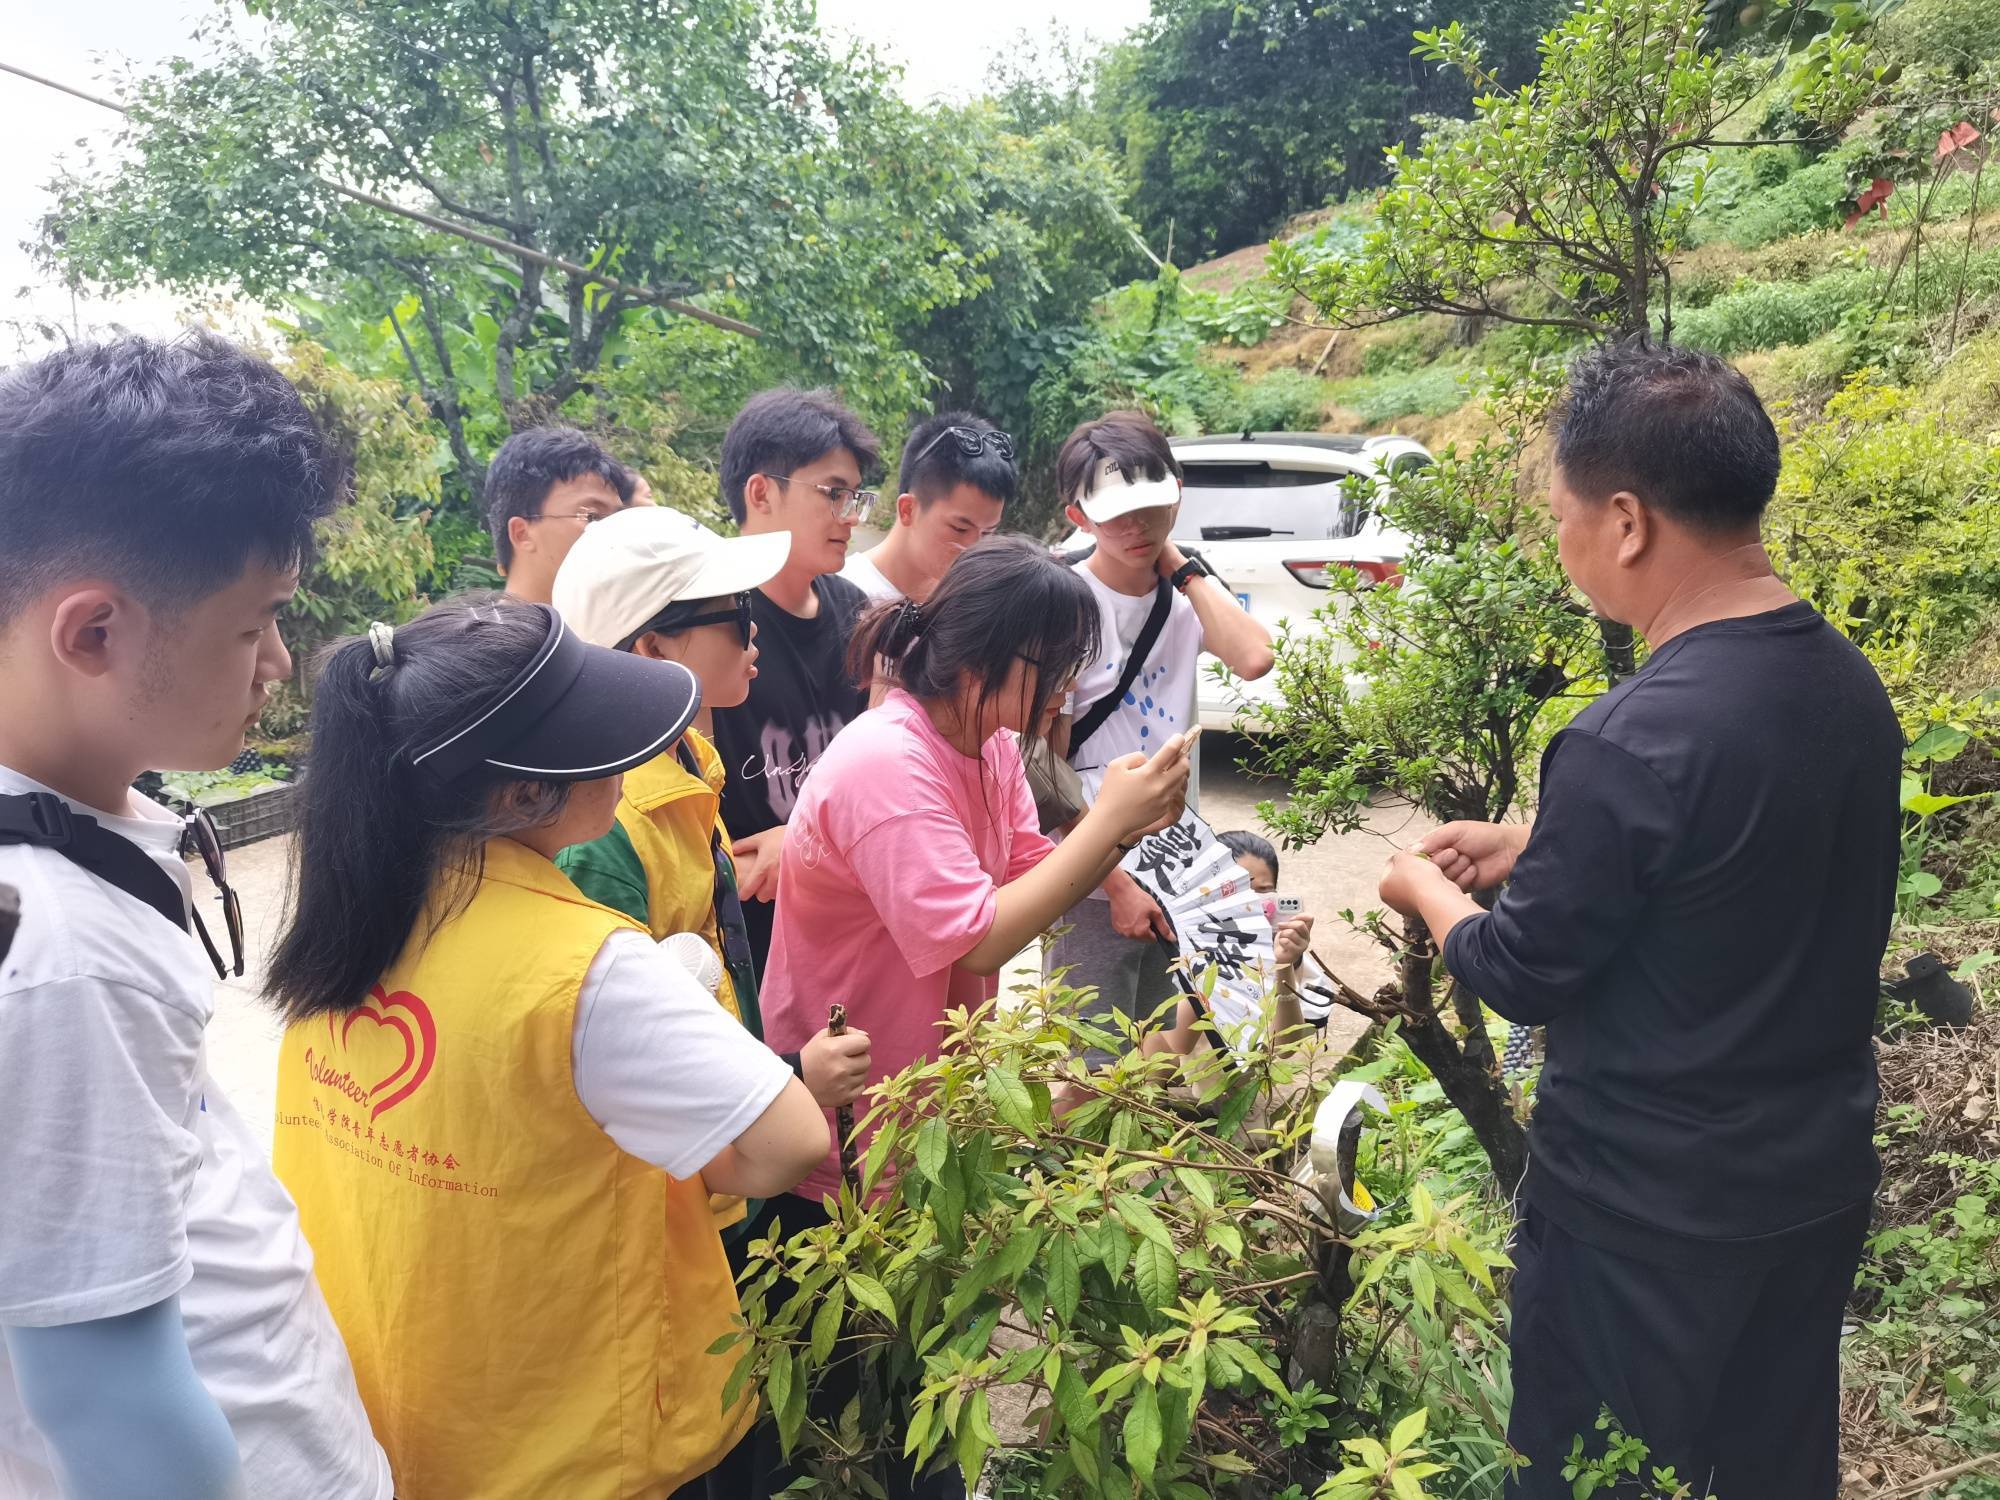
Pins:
x: 1135, y: 1264
x: 1955, y: 34
x: 1749, y: 211
x: 1280, y: 401
x: 1430, y: 391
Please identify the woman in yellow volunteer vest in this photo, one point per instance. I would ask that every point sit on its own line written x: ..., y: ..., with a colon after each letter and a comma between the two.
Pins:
x: 500, y: 1106
x: 660, y: 585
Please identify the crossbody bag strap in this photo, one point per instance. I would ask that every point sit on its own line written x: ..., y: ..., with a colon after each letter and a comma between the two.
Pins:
x: 44, y: 821
x: 1149, y: 635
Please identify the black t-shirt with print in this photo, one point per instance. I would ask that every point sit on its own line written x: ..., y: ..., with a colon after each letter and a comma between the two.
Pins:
x: 799, y: 699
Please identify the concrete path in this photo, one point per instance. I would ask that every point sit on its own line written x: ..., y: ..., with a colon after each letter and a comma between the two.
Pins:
x: 1336, y: 873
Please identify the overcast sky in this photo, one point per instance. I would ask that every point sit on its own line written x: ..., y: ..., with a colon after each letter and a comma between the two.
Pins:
x: 82, y: 41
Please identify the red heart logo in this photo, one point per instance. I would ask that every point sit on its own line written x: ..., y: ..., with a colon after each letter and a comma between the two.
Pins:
x: 406, y: 1017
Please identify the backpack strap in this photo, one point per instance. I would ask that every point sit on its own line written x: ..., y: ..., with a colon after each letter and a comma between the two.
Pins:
x: 44, y: 821
x: 1149, y: 635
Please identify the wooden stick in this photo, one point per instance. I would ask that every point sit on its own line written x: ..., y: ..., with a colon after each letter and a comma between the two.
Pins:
x: 843, y: 1114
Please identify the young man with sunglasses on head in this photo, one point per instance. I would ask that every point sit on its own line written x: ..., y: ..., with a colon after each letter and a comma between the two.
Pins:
x: 957, y: 475
x: 543, y: 488
x: 792, y: 462
x: 161, y: 1332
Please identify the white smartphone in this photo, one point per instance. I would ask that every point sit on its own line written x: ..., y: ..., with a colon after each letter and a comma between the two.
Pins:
x: 1290, y: 906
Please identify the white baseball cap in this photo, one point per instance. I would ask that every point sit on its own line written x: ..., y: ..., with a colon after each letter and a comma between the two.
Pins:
x: 1110, y: 494
x: 632, y: 564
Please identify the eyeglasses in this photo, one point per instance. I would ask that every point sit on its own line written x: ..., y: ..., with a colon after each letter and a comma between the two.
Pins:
x: 585, y: 516
x: 1061, y: 688
x: 848, y: 504
x: 972, y: 441
x: 674, y: 619
x: 199, y: 830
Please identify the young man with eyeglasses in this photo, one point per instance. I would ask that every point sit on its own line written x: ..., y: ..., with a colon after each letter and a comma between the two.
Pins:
x: 957, y: 475
x: 792, y: 462
x: 161, y: 1332
x: 543, y: 488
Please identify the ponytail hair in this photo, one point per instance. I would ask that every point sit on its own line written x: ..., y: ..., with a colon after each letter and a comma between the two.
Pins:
x: 1004, y: 600
x: 377, y: 842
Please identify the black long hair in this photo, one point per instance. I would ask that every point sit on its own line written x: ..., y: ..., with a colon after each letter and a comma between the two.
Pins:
x: 1005, y: 599
x: 376, y: 840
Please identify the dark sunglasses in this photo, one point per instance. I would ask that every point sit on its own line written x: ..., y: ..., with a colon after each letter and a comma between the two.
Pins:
x: 676, y: 618
x: 972, y: 441
x: 199, y: 831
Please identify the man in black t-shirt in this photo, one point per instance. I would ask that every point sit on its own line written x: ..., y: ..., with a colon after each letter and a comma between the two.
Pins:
x: 1698, y: 914
x: 792, y: 461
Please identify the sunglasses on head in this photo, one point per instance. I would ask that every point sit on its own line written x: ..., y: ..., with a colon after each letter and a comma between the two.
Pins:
x: 677, y: 618
x: 972, y: 441
x: 198, y: 831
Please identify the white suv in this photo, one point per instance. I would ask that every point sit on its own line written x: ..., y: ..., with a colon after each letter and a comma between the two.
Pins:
x: 1268, y: 510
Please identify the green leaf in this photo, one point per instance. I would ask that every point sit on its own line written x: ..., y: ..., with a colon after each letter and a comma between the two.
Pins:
x: 1011, y: 1099
x: 826, y: 1324
x: 1155, y: 1273
x: 1939, y: 742
x: 933, y: 1146
x: 872, y: 1295
x: 1139, y: 1216
x: 1142, y: 1432
x: 975, y: 1439
x: 1072, y: 1399
x: 779, y: 1391
x: 1065, y: 1277
x: 1408, y: 1430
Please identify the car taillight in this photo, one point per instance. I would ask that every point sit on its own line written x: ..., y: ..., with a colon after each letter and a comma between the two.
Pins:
x: 1386, y: 574
x: 1314, y: 576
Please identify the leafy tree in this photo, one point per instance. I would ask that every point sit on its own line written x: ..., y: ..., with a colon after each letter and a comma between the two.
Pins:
x: 377, y: 552
x: 1438, y: 692
x: 710, y: 160
x: 1563, y: 202
x: 1232, y: 115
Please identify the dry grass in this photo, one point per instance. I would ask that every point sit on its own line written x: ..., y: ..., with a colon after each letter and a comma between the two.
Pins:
x: 1953, y: 1078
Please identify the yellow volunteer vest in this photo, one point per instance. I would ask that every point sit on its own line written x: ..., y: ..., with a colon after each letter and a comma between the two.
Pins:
x: 528, y: 1307
x: 670, y: 817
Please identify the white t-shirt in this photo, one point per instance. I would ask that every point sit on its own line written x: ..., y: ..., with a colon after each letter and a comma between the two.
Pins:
x: 669, y: 1074
x: 125, y: 1177
x: 1160, y: 701
x: 864, y: 575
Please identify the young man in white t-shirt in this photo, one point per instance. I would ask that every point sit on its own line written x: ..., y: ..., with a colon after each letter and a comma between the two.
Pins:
x: 161, y: 1333
x: 1123, y: 486
x: 956, y: 477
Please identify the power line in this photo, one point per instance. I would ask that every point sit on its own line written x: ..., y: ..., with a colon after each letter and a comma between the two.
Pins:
x: 446, y: 226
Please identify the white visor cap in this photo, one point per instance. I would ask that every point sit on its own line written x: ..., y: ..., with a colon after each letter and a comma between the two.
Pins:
x: 632, y: 564
x: 1110, y: 494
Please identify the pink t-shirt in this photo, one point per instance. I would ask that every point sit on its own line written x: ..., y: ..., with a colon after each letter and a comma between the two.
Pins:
x: 893, y: 861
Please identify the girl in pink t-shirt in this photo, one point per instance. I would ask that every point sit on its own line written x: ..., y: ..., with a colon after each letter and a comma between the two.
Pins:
x: 913, y: 867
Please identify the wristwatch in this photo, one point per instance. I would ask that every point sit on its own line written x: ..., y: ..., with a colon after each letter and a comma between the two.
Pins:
x: 1195, y: 567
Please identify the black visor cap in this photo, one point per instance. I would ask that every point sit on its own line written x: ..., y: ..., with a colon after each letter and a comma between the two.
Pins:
x: 577, y: 712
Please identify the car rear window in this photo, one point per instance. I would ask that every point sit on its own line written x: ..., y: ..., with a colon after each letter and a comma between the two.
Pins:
x: 1306, y: 503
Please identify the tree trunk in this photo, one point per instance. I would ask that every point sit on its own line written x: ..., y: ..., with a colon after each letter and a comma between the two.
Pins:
x: 1621, y: 655
x: 1476, y: 1091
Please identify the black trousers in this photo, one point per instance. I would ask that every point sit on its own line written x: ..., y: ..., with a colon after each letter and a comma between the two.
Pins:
x: 1733, y: 1377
